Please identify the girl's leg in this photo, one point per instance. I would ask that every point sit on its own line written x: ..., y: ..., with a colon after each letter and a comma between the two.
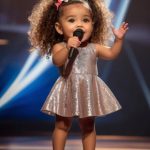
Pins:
x: 62, y: 127
x: 87, y: 126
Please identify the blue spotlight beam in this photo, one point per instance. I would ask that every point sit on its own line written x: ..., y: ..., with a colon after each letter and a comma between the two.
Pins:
x: 20, y: 83
x: 13, y: 86
x: 26, y: 67
x: 108, y: 2
x: 138, y: 72
x: 121, y: 13
x: 119, y: 17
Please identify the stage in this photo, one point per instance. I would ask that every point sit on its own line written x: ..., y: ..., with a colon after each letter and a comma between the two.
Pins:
x: 74, y: 143
x: 27, y: 78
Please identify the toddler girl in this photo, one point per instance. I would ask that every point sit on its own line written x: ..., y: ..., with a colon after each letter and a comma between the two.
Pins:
x: 78, y: 91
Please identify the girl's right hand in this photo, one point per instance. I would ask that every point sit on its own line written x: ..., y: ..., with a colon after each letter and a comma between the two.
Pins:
x: 73, y: 42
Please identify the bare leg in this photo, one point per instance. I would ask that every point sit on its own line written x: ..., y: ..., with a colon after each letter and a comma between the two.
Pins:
x: 87, y: 126
x: 62, y: 127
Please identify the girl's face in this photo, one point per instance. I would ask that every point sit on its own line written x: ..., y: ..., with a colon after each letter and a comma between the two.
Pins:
x: 75, y: 16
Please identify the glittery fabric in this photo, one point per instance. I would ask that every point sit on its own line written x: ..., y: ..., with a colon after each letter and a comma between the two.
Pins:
x: 82, y: 93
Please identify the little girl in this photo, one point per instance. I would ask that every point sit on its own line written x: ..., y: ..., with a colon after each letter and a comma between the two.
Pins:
x: 78, y: 92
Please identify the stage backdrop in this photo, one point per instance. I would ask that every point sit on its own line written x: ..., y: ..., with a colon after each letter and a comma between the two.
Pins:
x: 26, y: 79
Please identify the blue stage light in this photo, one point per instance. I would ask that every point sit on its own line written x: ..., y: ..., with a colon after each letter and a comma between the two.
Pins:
x: 108, y: 2
x: 119, y: 18
x: 25, y: 77
x: 121, y: 12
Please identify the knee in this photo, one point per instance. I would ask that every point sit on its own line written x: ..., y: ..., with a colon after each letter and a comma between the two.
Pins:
x: 87, y: 126
x: 63, y: 124
x: 87, y: 129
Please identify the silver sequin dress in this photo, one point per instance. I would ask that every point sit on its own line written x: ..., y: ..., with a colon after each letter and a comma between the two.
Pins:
x: 82, y: 93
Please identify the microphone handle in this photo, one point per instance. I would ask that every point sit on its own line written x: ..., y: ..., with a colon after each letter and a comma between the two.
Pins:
x: 71, y: 52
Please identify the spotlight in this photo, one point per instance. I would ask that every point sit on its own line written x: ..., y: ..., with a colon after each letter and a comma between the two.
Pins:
x: 25, y: 77
x: 3, y: 42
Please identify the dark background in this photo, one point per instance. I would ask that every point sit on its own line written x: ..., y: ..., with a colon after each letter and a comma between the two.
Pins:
x: 22, y: 114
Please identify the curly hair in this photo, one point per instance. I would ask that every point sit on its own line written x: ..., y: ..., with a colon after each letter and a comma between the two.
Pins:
x: 42, y: 33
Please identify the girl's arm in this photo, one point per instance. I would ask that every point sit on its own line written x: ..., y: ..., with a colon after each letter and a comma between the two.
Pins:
x: 112, y: 52
x: 60, y: 51
x: 59, y: 54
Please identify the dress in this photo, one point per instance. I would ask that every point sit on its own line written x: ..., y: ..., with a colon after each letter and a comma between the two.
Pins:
x: 82, y: 93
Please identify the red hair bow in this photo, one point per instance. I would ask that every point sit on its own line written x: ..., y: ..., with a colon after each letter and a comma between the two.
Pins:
x: 59, y: 2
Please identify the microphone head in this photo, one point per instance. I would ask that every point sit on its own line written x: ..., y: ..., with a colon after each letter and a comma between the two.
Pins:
x: 79, y: 33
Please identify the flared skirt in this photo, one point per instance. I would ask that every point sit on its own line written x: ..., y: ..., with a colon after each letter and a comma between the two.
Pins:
x: 82, y: 95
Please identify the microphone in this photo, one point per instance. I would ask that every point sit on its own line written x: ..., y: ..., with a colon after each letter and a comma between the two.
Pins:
x: 79, y: 33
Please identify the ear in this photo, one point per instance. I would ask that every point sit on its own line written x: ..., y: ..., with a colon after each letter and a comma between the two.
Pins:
x: 58, y: 28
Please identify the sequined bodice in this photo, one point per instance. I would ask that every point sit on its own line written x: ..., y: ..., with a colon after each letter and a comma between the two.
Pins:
x: 86, y: 61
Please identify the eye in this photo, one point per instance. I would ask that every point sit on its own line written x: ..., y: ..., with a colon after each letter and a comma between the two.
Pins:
x: 86, y: 20
x: 71, y: 20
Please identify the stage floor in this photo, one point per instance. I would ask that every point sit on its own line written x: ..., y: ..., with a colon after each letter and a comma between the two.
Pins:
x: 74, y: 143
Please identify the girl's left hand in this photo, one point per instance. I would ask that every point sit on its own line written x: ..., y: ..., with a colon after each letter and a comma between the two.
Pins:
x: 120, y: 33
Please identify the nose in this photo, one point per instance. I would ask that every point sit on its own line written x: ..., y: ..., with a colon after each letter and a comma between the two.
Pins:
x: 79, y: 24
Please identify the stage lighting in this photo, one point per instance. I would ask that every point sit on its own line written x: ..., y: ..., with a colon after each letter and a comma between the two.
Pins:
x: 119, y: 18
x: 24, y: 79
x: 3, y: 42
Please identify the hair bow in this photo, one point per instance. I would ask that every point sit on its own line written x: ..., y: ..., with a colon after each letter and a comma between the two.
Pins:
x: 59, y: 2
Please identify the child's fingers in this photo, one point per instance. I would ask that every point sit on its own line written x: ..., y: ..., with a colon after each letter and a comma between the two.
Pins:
x: 124, y: 25
x: 74, y: 42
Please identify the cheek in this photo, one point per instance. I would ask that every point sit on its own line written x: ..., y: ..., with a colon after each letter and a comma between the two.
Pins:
x: 69, y: 27
x: 92, y: 26
x: 89, y: 33
x: 66, y: 29
x: 90, y: 30
x: 68, y: 32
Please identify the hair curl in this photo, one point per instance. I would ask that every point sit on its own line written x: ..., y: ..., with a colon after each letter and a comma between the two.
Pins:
x: 42, y: 33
